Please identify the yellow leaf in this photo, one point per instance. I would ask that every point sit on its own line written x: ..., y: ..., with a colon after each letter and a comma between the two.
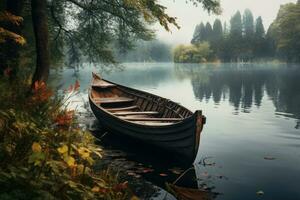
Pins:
x: 62, y: 150
x: 70, y: 161
x: 84, y: 152
x: 95, y: 189
x: 134, y: 198
x: 36, y: 147
x: 80, y: 168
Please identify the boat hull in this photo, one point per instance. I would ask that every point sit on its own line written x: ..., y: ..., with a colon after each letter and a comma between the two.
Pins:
x: 180, y: 139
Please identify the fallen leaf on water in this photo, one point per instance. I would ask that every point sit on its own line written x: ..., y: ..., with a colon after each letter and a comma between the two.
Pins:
x: 147, y: 170
x: 137, y: 176
x: 269, y: 158
x: 162, y: 174
x: 176, y: 171
x: 131, y: 173
x: 260, y: 192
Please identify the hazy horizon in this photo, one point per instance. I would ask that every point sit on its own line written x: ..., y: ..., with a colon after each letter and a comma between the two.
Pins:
x: 188, y: 16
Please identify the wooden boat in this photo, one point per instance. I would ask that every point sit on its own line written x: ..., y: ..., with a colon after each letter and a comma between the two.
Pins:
x: 146, y: 117
x: 182, y: 193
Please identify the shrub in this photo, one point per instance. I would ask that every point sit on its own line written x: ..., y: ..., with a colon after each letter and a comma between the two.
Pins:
x: 43, y: 152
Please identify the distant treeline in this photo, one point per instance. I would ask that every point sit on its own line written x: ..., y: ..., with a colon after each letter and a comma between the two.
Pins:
x: 147, y: 51
x: 245, y: 39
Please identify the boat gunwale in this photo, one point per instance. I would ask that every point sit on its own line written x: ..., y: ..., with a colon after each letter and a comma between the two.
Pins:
x: 193, y: 115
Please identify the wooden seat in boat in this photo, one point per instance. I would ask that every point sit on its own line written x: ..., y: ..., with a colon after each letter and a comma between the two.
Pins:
x: 122, y: 108
x: 153, y: 123
x: 113, y: 100
x: 151, y: 119
x: 137, y: 113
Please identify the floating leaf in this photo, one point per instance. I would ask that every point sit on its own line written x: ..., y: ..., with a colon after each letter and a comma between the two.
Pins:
x: 260, y: 192
x: 269, y: 158
x: 162, y: 174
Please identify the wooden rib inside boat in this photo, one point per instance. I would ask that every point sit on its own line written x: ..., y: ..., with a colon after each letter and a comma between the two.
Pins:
x: 146, y: 117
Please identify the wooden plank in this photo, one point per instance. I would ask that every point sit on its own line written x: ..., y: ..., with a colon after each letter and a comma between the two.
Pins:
x: 106, y: 85
x: 153, y: 123
x: 102, y: 84
x: 113, y: 100
x: 137, y: 113
x: 150, y: 119
x: 122, y: 108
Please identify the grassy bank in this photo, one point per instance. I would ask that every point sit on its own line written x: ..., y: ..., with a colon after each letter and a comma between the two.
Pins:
x: 43, y: 152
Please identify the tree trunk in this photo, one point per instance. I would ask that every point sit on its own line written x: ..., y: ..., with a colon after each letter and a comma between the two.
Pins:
x: 40, y: 27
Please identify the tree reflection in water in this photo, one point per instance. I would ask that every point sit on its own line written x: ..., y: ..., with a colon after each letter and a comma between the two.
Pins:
x: 245, y: 85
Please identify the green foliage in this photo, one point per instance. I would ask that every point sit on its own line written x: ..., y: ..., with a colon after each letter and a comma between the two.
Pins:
x: 198, y: 53
x: 96, y: 25
x: 243, y: 41
x: 285, y: 32
x: 43, y: 153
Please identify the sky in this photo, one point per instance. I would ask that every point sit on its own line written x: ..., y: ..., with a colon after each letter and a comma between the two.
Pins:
x: 188, y: 16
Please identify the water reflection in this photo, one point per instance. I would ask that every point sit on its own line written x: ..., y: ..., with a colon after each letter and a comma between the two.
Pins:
x: 140, y: 160
x: 251, y: 112
x: 246, y: 86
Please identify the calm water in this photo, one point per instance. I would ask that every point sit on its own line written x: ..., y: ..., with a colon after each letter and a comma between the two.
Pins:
x: 251, y: 141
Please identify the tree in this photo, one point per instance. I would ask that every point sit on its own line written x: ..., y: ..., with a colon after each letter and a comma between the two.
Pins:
x: 260, y: 48
x: 217, y: 29
x: 259, y: 28
x: 217, y: 37
x: 248, y: 35
x: 199, y: 34
x: 40, y: 27
x: 208, y: 32
x: 235, y: 36
x: 236, y: 28
x: 198, y: 53
x: 196, y: 35
x: 285, y: 31
x: 95, y: 25
x: 248, y: 24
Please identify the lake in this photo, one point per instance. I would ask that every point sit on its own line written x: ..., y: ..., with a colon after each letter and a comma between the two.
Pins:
x: 250, y: 145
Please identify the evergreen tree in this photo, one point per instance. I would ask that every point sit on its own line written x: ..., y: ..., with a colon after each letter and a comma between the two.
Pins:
x: 199, y: 34
x: 236, y: 28
x: 208, y: 32
x: 196, y: 35
x: 235, y: 36
x: 248, y: 36
x: 248, y: 24
x: 217, y: 29
x: 217, y: 37
x: 259, y: 28
x: 261, y: 43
